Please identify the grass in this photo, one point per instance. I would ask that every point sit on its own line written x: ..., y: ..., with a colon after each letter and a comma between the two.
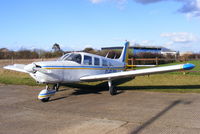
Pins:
x: 194, y: 71
x: 164, y: 83
x: 171, y: 83
x: 168, y: 82
x: 15, y: 78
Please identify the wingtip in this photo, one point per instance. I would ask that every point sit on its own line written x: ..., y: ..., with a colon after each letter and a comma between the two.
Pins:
x: 188, y: 66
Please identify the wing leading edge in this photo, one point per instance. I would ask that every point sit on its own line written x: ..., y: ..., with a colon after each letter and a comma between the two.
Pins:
x: 140, y: 72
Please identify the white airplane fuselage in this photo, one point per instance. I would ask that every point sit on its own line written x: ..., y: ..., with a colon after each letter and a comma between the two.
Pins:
x: 65, y: 71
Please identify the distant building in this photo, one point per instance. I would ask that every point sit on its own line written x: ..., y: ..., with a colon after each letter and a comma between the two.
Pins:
x: 142, y: 49
x: 4, y: 50
x: 166, y: 51
x: 186, y: 53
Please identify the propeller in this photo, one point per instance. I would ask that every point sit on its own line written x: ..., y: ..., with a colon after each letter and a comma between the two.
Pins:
x: 30, y: 68
x: 33, y: 68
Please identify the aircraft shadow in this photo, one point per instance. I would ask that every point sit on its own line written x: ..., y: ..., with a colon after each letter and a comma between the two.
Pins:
x: 157, y: 116
x: 82, y: 88
x: 55, y: 99
x: 95, y: 89
x: 159, y: 87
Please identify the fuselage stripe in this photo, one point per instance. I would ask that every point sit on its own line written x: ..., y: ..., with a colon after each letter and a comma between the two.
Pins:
x: 83, y: 67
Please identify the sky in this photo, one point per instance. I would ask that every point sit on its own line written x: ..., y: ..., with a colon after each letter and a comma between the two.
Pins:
x: 76, y: 24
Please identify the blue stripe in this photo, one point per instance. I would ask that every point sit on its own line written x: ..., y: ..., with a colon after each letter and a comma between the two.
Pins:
x: 49, y: 93
x: 80, y: 67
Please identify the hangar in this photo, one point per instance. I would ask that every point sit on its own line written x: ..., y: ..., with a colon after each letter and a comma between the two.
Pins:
x: 141, y: 49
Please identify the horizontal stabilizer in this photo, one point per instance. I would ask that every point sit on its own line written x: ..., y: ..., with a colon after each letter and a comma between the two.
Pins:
x: 139, y: 72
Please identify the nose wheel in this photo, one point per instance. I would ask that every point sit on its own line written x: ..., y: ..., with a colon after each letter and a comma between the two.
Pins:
x: 46, y: 93
x: 45, y: 99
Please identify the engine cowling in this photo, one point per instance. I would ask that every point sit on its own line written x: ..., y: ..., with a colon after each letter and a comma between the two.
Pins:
x: 30, y: 68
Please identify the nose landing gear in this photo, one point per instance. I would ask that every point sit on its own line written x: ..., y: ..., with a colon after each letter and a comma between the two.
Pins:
x: 45, y: 94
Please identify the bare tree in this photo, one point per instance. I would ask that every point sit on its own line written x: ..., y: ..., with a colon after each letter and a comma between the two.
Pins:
x: 56, y: 47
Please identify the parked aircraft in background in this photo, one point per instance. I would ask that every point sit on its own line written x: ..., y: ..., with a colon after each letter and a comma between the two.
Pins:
x: 84, y: 67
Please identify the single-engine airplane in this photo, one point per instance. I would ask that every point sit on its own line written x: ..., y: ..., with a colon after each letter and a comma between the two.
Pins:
x: 84, y: 67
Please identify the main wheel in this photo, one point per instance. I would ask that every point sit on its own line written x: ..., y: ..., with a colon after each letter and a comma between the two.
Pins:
x: 45, y: 99
x: 112, y: 90
x: 56, y: 87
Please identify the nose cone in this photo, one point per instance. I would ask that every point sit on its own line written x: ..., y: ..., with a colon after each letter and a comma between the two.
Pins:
x: 29, y: 68
x: 188, y: 66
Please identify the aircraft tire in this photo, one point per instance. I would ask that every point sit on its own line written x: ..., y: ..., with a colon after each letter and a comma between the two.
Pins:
x: 56, y: 87
x: 112, y: 91
x: 45, y: 99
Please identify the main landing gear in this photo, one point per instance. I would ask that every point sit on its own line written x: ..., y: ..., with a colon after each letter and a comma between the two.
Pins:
x: 45, y: 94
x: 112, y: 90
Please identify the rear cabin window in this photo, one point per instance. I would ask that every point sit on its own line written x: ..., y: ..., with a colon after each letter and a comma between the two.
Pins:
x: 104, y: 63
x: 87, y: 60
x: 96, y: 61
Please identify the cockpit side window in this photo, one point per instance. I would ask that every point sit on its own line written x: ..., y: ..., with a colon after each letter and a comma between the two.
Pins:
x: 74, y: 57
x: 110, y: 64
x: 96, y: 61
x: 87, y: 60
x: 104, y: 62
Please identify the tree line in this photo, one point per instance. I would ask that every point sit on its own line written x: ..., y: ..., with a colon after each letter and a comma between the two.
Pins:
x: 29, y: 54
x: 57, y: 52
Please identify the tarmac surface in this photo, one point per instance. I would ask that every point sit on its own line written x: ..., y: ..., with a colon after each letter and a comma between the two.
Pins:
x: 80, y: 111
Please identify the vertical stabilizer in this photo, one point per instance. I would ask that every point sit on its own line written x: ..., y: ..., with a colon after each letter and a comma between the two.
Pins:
x: 124, y: 55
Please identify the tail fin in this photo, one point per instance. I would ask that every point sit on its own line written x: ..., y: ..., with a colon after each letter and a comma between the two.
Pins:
x: 124, y: 55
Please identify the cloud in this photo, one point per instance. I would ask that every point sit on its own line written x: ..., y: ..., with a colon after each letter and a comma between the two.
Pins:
x: 190, y: 7
x: 147, y: 1
x: 100, y: 1
x: 182, y: 41
x: 96, y: 1
x: 180, y: 37
x: 120, y: 3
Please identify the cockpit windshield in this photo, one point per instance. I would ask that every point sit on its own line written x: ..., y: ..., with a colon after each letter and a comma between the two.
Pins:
x: 71, y: 57
x: 63, y: 57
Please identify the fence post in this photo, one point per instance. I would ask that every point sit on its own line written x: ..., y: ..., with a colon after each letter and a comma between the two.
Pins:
x: 156, y: 61
x: 132, y: 62
x: 12, y: 60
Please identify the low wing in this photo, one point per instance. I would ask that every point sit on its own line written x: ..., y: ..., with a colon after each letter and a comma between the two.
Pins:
x: 140, y: 72
x: 16, y: 67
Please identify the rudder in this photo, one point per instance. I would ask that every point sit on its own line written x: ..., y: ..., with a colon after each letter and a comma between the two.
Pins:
x: 124, y: 55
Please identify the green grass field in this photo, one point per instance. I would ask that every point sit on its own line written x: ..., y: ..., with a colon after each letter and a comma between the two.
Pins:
x: 15, y: 78
x: 168, y: 82
x: 194, y: 71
